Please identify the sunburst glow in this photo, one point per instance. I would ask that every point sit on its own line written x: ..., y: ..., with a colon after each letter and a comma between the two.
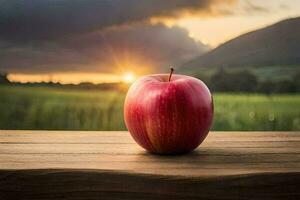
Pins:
x: 128, y: 77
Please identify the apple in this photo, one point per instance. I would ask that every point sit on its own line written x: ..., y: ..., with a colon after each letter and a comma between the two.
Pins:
x: 168, y: 114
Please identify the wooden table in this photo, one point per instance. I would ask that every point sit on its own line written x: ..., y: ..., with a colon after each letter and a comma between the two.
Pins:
x: 109, y: 165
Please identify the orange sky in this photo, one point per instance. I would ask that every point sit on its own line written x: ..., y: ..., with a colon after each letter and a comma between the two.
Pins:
x: 74, y: 78
x: 216, y: 30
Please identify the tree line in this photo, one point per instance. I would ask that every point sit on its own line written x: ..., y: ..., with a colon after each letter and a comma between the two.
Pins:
x: 246, y: 81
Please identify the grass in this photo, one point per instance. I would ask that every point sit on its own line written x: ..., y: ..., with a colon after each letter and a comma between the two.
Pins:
x: 257, y: 112
x: 62, y: 109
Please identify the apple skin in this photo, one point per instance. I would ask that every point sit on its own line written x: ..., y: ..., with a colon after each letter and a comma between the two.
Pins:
x: 168, y: 117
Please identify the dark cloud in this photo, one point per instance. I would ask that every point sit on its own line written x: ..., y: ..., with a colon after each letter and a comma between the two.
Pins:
x: 87, y: 35
x: 40, y: 19
x: 142, y: 45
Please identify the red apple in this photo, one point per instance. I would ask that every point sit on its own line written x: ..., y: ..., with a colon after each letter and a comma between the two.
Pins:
x: 168, y: 114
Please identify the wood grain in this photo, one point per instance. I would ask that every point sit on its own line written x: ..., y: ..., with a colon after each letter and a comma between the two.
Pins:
x: 109, y: 165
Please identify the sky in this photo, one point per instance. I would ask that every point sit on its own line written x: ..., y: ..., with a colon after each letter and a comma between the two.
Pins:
x: 250, y: 15
x: 73, y: 41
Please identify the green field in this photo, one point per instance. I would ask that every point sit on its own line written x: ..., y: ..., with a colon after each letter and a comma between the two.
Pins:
x: 66, y: 109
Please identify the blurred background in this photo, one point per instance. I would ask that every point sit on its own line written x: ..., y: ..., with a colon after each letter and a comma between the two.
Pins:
x: 67, y: 64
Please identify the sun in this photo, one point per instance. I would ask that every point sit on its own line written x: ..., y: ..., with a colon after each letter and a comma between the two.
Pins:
x: 128, y: 77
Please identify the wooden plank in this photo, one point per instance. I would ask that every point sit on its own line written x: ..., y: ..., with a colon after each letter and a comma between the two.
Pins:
x: 231, y: 150
x: 208, y: 168
x: 95, y: 184
x: 90, y: 137
x: 129, y: 149
x: 109, y: 165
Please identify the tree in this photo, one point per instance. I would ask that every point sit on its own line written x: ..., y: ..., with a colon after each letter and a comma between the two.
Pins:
x: 3, y: 78
x: 267, y: 87
x: 296, y: 81
x: 239, y: 81
x: 285, y: 86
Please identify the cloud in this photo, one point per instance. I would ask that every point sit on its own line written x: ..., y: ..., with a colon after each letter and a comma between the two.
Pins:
x: 284, y: 7
x: 43, y: 19
x: 96, y: 35
x: 250, y: 8
x: 137, y: 47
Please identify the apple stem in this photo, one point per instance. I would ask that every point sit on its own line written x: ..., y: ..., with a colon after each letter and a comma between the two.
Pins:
x: 172, y: 70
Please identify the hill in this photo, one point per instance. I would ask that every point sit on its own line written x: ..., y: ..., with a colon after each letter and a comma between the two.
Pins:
x: 275, y: 45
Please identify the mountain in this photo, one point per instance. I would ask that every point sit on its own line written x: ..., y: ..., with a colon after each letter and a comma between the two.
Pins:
x: 278, y: 44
